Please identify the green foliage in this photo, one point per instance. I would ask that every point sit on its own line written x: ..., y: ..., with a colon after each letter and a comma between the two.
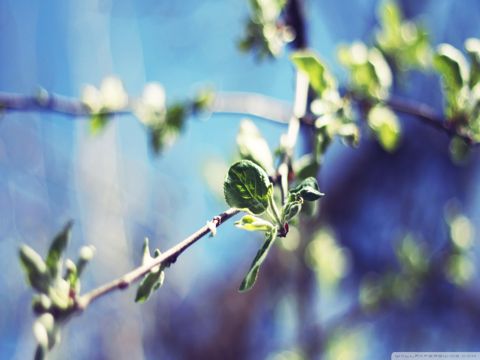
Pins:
x: 333, y: 113
x: 265, y: 35
x: 320, y: 78
x: 370, y: 74
x: 253, y: 223
x: 453, y: 68
x: 472, y: 46
x: 461, y: 93
x: 97, y: 123
x: 405, y: 43
x: 57, y: 293
x: 252, y: 274
x: 154, y: 279
x: 57, y: 248
x: 163, y: 133
x: 35, y: 268
x: 308, y: 190
x: 247, y: 187
x: 385, y: 125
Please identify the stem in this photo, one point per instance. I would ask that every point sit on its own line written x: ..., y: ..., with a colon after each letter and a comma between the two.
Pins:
x: 290, y: 139
x: 165, y: 259
x: 273, y: 206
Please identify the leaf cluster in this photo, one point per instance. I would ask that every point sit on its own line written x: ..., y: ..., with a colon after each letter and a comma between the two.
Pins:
x: 57, y: 285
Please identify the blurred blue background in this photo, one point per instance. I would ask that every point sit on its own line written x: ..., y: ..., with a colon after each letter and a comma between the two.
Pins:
x: 117, y: 192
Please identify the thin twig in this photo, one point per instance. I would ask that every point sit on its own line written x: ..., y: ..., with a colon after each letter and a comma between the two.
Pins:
x: 165, y: 259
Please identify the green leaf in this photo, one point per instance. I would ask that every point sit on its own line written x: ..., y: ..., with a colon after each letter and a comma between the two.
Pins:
x: 472, y: 46
x: 253, y: 146
x: 384, y: 123
x: 252, y: 274
x: 151, y: 281
x: 35, y: 268
x: 253, y: 223
x: 176, y: 114
x: 97, y: 123
x: 318, y: 74
x: 203, y: 99
x: 247, y: 187
x: 308, y: 190
x: 452, y: 65
x: 453, y: 69
x: 57, y: 248
x: 370, y: 73
x: 292, y: 208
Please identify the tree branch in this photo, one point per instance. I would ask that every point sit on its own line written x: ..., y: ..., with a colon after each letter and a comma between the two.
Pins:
x: 165, y: 259
x: 252, y: 104
x: 421, y: 111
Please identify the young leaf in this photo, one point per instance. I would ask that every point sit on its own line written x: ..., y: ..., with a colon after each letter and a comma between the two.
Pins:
x: 57, y: 248
x: 453, y: 68
x: 247, y: 187
x: 35, y: 268
x: 253, y: 146
x: 472, y: 46
x: 384, y: 123
x: 308, y: 190
x: 292, y: 208
x: 452, y: 65
x: 252, y: 274
x: 97, y: 123
x: 253, y: 223
x: 151, y: 281
x: 319, y: 77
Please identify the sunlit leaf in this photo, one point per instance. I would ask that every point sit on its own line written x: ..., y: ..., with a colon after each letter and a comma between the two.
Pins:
x: 384, y: 123
x: 318, y: 75
x: 253, y: 223
x: 57, y: 247
x: 247, y: 187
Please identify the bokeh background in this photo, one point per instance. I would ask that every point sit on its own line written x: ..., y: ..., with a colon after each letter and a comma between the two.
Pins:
x: 309, y: 300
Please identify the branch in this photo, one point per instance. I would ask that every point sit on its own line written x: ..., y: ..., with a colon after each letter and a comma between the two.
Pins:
x: 165, y: 259
x: 421, y: 111
x: 252, y: 104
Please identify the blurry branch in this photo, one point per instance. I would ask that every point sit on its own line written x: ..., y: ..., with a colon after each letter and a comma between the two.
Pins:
x: 238, y: 103
x: 256, y: 105
x: 164, y: 260
x: 252, y: 104
x: 421, y: 111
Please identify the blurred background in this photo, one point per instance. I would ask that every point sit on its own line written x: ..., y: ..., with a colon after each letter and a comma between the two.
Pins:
x: 351, y: 285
